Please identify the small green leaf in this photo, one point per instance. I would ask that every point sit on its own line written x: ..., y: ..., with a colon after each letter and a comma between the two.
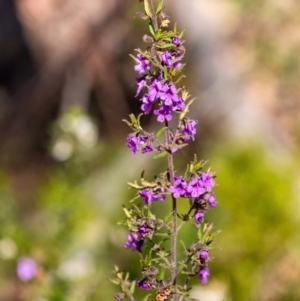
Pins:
x: 132, y: 287
x: 134, y: 185
x: 160, y: 155
x: 181, y: 33
x: 179, y: 79
x: 160, y: 131
x: 159, y: 7
x: 150, y: 214
x: 147, y: 297
x: 127, y: 122
x: 127, y: 213
x: 148, y: 9
x: 114, y: 281
x: 167, y: 217
x: 165, y: 73
x: 151, y: 29
x: 165, y: 46
x: 132, y: 118
x: 175, y: 28
x: 134, y: 58
x: 161, y: 274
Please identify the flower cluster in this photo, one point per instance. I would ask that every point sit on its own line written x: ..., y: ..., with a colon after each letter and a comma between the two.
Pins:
x: 158, y: 93
x: 136, y: 239
x: 199, y: 189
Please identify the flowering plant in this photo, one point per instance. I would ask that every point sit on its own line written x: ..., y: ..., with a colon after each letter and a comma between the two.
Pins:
x: 159, y: 68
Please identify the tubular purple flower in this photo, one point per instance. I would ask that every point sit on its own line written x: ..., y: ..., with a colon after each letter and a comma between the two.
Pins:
x: 143, y: 64
x: 169, y: 95
x: 155, y: 89
x: 203, y: 256
x: 164, y: 113
x: 179, y: 188
x: 133, y: 243
x: 177, y: 61
x: 203, y: 275
x: 198, y: 216
x: 147, y: 195
x: 189, y: 129
x: 141, y: 82
x: 195, y: 188
x: 211, y: 200
x: 207, y: 181
x: 166, y: 59
x: 159, y: 195
x: 177, y: 41
x: 132, y: 143
x: 26, y: 269
x: 142, y: 284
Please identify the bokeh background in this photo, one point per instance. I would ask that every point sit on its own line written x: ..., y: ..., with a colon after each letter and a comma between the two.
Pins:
x: 66, y: 82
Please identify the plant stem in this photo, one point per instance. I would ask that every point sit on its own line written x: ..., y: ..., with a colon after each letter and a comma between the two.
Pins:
x: 154, y: 17
x: 174, y: 219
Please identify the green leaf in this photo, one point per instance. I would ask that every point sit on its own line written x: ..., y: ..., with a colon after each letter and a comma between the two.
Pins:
x: 127, y: 213
x: 150, y: 214
x: 165, y: 46
x: 114, y: 281
x: 160, y: 131
x: 161, y: 274
x: 165, y: 73
x: 181, y: 33
x: 134, y: 58
x: 151, y: 29
x: 147, y: 297
x: 147, y: 9
x: 175, y: 28
x: 132, y: 118
x: 127, y: 122
x: 159, y: 7
x: 179, y: 79
x: 160, y: 155
x: 167, y: 217
x: 134, y: 185
x: 132, y: 287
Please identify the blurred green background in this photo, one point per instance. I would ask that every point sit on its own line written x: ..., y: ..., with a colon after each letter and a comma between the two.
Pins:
x: 66, y: 82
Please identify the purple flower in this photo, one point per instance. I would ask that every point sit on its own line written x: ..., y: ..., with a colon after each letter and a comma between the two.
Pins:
x: 203, y: 256
x: 159, y: 194
x: 26, y: 269
x: 143, y: 64
x: 177, y: 41
x: 132, y: 143
x: 178, y: 189
x: 142, y: 284
x: 207, y: 181
x: 203, y: 275
x: 164, y: 113
x: 189, y: 129
x: 169, y: 95
x: 147, y: 195
x: 195, y: 188
x: 141, y: 84
x: 152, y: 196
x: 211, y: 200
x: 198, y: 216
x: 133, y: 243
x: 135, y: 141
x: 177, y: 61
x: 178, y: 104
x: 166, y: 59
x: 142, y: 232
x: 147, y: 104
x: 155, y: 89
